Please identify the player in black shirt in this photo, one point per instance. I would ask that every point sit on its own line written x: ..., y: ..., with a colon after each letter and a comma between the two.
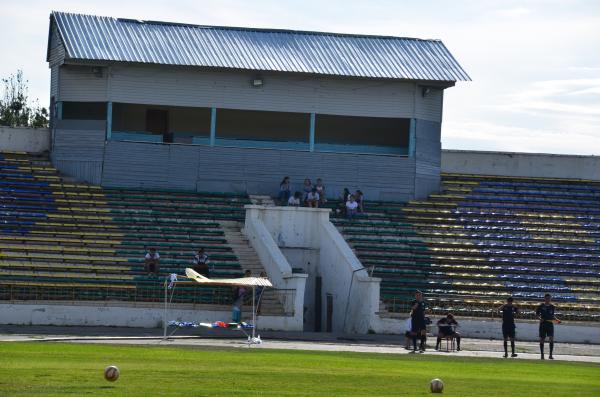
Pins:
x: 545, y: 313
x: 418, y: 326
x: 508, y: 325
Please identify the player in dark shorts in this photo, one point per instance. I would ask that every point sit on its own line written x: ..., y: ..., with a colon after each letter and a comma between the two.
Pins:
x: 418, y: 326
x: 508, y: 326
x: 545, y: 313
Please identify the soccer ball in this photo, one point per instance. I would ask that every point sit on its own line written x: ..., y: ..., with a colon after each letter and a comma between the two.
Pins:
x: 111, y: 373
x: 437, y: 385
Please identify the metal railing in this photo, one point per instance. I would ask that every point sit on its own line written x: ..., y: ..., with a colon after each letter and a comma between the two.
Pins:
x: 144, y: 293
x: 490, y: 309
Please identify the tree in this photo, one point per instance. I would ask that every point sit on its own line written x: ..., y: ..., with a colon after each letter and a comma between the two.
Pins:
x: 15, y: 111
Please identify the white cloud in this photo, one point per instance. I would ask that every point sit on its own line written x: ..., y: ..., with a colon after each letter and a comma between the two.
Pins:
x: 533, y: 63
x: 513, y: 12
x: 470, y: 135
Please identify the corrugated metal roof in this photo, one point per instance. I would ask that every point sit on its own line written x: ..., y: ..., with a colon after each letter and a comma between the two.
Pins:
x: 88, y: 37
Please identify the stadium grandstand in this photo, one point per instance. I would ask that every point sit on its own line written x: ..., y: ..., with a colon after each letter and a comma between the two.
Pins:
x: 175, y: 137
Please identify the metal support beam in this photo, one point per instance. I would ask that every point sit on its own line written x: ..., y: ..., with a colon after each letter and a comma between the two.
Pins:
x: 108, y: 121
x: 213, y: 126
x: 412, y: 139
x: 311, y: 141
x: 59, y: 110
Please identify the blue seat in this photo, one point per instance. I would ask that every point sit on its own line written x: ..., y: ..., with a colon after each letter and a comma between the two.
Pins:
x: 5, y: 222
x: 27, y: 207
x: 25, y: 191
x: 15, y: 231
x: 22, y: 214
x: 16, y: 175
x: 39, y: 184
x: 21, y: 198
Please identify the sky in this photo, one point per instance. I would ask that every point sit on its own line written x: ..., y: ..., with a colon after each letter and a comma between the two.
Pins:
x: 535, y: 64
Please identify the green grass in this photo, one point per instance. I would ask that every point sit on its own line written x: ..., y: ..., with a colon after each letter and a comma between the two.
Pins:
x: 52, y: 369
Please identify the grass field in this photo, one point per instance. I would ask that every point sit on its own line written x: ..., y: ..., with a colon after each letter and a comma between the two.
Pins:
x: 52, y: 369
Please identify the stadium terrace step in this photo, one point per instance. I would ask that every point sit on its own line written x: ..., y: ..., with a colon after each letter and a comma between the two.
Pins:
x: 483, y: 238
x: 56, y: 233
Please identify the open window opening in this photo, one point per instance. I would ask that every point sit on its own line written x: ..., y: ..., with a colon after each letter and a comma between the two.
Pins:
x: 353, y: 134
x: 251, y: 128
x: 168, y: 124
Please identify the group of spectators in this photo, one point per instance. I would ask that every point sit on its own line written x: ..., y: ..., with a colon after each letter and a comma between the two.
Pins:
x: 200, y: 262
x: 314, y: 195
x: 201, y: 265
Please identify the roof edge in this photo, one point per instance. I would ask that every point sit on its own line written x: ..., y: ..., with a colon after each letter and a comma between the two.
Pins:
x: 251, y: 29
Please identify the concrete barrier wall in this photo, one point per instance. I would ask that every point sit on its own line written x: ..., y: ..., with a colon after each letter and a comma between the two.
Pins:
x: 33, y: 140
x: 113, y: 315
x: 355, y: 295
x: 521, y: 164
x: 276, y: 265
x: 527, y: 330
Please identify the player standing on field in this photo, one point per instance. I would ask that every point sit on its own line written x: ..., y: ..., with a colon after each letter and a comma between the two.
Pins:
x: 545, y: 313
x: 508, y: 325
x: 418, y: 326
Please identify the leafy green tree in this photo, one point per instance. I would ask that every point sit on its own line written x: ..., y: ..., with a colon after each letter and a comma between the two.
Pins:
x: 15, y: 111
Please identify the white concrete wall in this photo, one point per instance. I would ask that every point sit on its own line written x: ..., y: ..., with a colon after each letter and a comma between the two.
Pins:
x: 33, y: 140
x: 277, y: 267
x: 356, y: 295
x: 521, y: 164
x: 472, y: 327
x: 306, y: 259
x: 292, y: 229
x: 112, y: 314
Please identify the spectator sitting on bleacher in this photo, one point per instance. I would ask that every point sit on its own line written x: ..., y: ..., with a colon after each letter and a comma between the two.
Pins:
x: 351, y: 207
x: 360, y: 198
x: 321, y: 190
x: 152, y: 262
x: 312, y: 198
x: 201, y: 263
x: 447, y: 329
x: 306, y: 188
x: 284, y: 189
x: 294, y: 201
x: 343, y: 199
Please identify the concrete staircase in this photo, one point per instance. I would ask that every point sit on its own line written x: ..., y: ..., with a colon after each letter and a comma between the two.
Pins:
x: 248, y: 259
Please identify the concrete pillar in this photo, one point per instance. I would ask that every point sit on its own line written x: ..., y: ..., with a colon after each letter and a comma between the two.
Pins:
x: 108, y: 121
x: 312, y: 132
x: 412, y: 139
x: 213, y: 126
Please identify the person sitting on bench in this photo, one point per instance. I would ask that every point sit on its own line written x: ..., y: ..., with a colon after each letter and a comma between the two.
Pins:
x: 447, y: 329
x: 152, y: 262
x: 201, y: 263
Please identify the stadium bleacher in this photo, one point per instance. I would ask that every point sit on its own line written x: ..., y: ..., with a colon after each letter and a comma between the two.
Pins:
x: 485, y: 238
x: 478, y: 241
x: 75, y: 241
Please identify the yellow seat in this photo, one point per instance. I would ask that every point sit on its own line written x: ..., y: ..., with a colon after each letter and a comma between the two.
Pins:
x: 61, y: 285
x: 30, y: 255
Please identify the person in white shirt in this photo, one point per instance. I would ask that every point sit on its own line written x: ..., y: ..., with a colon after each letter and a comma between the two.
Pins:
x: 201, y: 263
x: 321, y: 190
x: 152, y: 262
x: 312, y: 199
x: 294, y: 201
x: 351, y: 207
